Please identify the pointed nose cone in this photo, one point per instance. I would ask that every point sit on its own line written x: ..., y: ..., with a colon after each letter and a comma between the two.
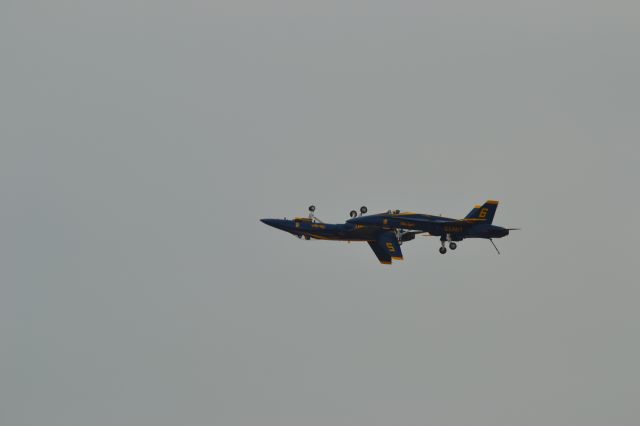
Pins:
x: 276, y: 223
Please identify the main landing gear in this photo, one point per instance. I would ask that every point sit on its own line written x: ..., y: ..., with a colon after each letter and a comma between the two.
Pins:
x: 452, y: 244
x: 363, y: 211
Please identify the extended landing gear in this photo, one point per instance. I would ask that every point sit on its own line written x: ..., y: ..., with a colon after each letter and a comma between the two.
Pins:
x: 363, y: 211
x: 447, y: 239
x: 442, y: 249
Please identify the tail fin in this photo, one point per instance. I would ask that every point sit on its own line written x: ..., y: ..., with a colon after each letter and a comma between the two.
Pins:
x: 484, y: 212
x: 474, y: 212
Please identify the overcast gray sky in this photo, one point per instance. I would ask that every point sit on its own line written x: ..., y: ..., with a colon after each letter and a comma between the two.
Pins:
x: 141, y: 142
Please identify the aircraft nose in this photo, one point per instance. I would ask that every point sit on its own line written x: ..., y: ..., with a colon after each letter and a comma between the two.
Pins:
x: 270, y: 222
x: 276, y: 223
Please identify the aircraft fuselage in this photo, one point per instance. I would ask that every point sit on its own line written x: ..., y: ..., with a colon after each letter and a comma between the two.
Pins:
x: 457, y: 230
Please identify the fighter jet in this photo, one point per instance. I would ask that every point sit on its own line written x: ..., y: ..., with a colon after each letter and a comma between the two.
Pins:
x: 385, y: 242
x: 477, y: 224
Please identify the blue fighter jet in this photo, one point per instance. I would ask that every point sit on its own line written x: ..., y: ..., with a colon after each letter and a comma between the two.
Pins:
x: 385, y: 242
x: 477, y: 224
x: 385, y: 232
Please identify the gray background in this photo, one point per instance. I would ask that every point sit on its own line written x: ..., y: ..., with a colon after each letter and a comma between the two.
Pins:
x: 140, y: 142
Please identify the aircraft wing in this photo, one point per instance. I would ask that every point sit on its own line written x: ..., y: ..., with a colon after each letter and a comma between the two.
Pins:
x: 386, y: 247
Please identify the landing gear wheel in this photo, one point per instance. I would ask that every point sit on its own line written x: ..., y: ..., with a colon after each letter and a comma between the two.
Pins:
x: 453, y: 246
x: 443, y: 250
x: 306, y: 237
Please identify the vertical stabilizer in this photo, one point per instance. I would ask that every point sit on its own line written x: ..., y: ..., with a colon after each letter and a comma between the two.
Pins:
x: 485, y: 212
